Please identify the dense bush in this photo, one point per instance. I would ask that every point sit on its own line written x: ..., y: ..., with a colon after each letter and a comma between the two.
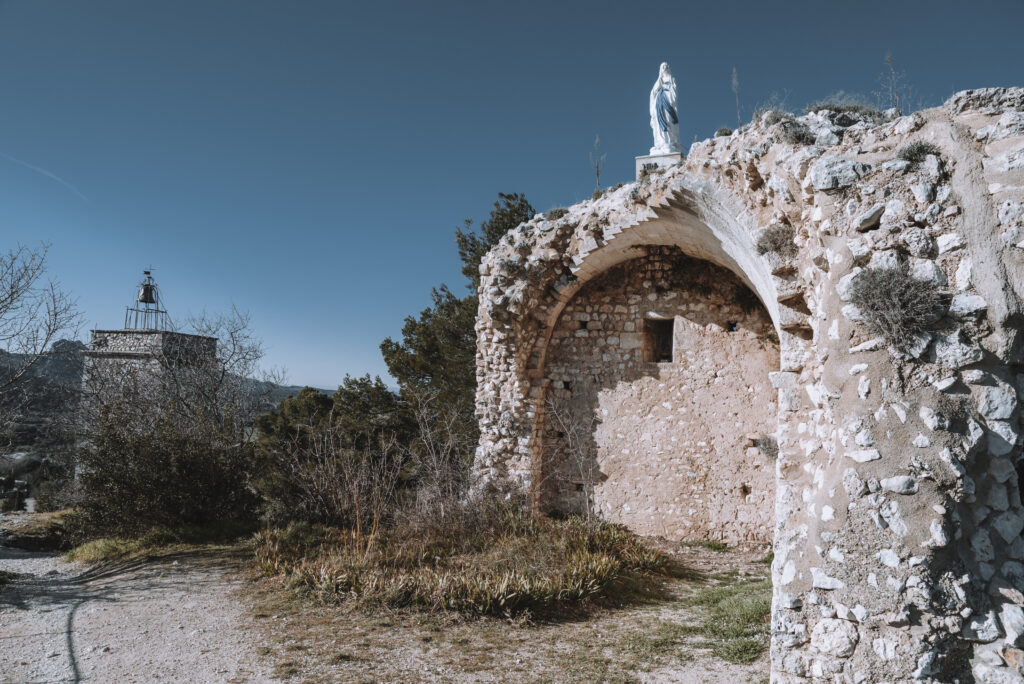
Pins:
x: 487, y: 558
x: 779, y: 239
x: 723, y: 132
x: 896, y: 305
x: 134, y: 478
x: 916, y: 152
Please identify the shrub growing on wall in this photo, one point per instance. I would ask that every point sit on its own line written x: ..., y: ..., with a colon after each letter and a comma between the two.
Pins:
x: 896, y: 305
x: 778, y: 239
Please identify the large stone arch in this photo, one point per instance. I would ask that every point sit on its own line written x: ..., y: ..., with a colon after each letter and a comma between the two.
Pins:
x: 898, y: 547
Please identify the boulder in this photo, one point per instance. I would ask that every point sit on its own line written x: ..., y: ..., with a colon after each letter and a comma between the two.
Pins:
x: 832, y: 173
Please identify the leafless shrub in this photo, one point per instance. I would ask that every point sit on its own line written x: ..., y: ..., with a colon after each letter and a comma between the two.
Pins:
x: 439, y: 458
x: 917, y: 151
x: 896, y: 305
x: 779, y: 239
x: 843, y: 102
x: 226, y: 387
x: 339, y: 485
x: 34, y: 313
x: 576, y: 421
x: 797, y: 134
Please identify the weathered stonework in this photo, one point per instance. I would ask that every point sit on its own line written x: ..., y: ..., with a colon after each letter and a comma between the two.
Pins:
x: 126, y: 363
x: 898, y: 518
x: 669, y: 453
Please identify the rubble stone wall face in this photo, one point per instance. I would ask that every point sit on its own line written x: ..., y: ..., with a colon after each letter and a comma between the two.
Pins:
x: 662, y: 447
x: 898, y: 549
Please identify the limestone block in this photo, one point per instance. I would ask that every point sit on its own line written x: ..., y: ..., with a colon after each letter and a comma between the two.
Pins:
x: 845, y: 285
x: 835, y: 637
x: 1009, y: 525
x: 832, y: 172
x: 997, y: 403
x: 983, y: 628
x: 888, y: 558
x: 967, y: 305
x: 952, y: 353
x: 962, y: 277
x: 888, y: 259
x: 947, y: 242
x: 981, y: 544
x: 820, y: 580
x: 1002, y: 437
x: 932, y: 419
x: 928, y: 271
x: 864, y: 455
x: 869, y: 219
x: 923, y: 192
x: 900, y: 484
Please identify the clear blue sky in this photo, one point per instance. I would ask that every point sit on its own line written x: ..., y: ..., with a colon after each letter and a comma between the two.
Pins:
x: 309, y: 161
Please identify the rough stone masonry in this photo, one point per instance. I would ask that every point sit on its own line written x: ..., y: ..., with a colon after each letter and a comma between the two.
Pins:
x: 634, y: 348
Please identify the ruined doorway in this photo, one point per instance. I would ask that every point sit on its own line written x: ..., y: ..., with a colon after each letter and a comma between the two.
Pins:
x: 658, y: 413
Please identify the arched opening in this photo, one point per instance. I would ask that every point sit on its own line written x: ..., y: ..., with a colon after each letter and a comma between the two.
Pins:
x: 657, y: 410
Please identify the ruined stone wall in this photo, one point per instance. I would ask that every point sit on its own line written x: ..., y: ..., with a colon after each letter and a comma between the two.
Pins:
x: 172, y: 345
x: 134, y: 365
x: 898, y: 517
x: 663, y: 447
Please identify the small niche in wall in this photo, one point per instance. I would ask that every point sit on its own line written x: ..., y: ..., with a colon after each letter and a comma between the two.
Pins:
x: 658, y: 339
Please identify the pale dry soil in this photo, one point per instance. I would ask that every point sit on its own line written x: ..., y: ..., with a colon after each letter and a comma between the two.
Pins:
x: 317, y: 642
x: 179, y: 618
x: 195, y: 617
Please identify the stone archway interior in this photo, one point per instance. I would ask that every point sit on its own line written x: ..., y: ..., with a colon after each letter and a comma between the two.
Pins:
x: 658, y: 392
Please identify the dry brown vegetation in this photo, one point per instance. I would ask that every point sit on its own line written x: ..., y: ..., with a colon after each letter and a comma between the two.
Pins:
x: 709, y: 626
x: 897, y: 306
x: 483, y: 559
x: 779, y: 239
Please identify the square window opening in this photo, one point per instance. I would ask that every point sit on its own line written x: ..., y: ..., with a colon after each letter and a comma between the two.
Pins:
x: 658, y: 339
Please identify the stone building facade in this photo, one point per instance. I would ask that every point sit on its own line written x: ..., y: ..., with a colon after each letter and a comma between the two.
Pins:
x: 658, y: 387
x: 147, y: 346
x: 898, y: 548
x: 132, y: 363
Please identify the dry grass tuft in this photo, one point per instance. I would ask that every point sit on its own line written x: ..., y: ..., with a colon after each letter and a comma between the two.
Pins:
x: 916, y: 152
x: 502, y: 562
x: 896, y: 305
x: 779, y: 239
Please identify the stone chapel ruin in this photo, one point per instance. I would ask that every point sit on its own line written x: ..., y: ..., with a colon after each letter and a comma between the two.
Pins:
x: 640, y: 358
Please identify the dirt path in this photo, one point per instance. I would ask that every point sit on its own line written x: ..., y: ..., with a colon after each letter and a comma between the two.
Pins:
x: 173, y: 619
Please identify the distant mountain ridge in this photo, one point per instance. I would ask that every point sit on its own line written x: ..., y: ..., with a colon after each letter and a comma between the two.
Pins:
x: 48, y: 390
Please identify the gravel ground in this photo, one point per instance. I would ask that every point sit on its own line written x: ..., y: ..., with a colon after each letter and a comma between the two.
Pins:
x: 178, y: 619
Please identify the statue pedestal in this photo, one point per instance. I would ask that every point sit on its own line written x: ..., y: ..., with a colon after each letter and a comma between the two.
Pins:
x: 654, y: 161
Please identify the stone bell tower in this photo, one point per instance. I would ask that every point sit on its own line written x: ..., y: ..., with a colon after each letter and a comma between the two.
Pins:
x: 146, y: 344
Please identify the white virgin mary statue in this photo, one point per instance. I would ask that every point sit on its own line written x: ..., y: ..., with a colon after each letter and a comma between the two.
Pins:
x: 664, y: 116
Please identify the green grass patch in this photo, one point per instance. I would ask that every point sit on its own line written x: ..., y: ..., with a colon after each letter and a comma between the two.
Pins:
x: 664, y: 639
x: 156, y: 540
x: 738, y: 619
x: 709, y: 544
